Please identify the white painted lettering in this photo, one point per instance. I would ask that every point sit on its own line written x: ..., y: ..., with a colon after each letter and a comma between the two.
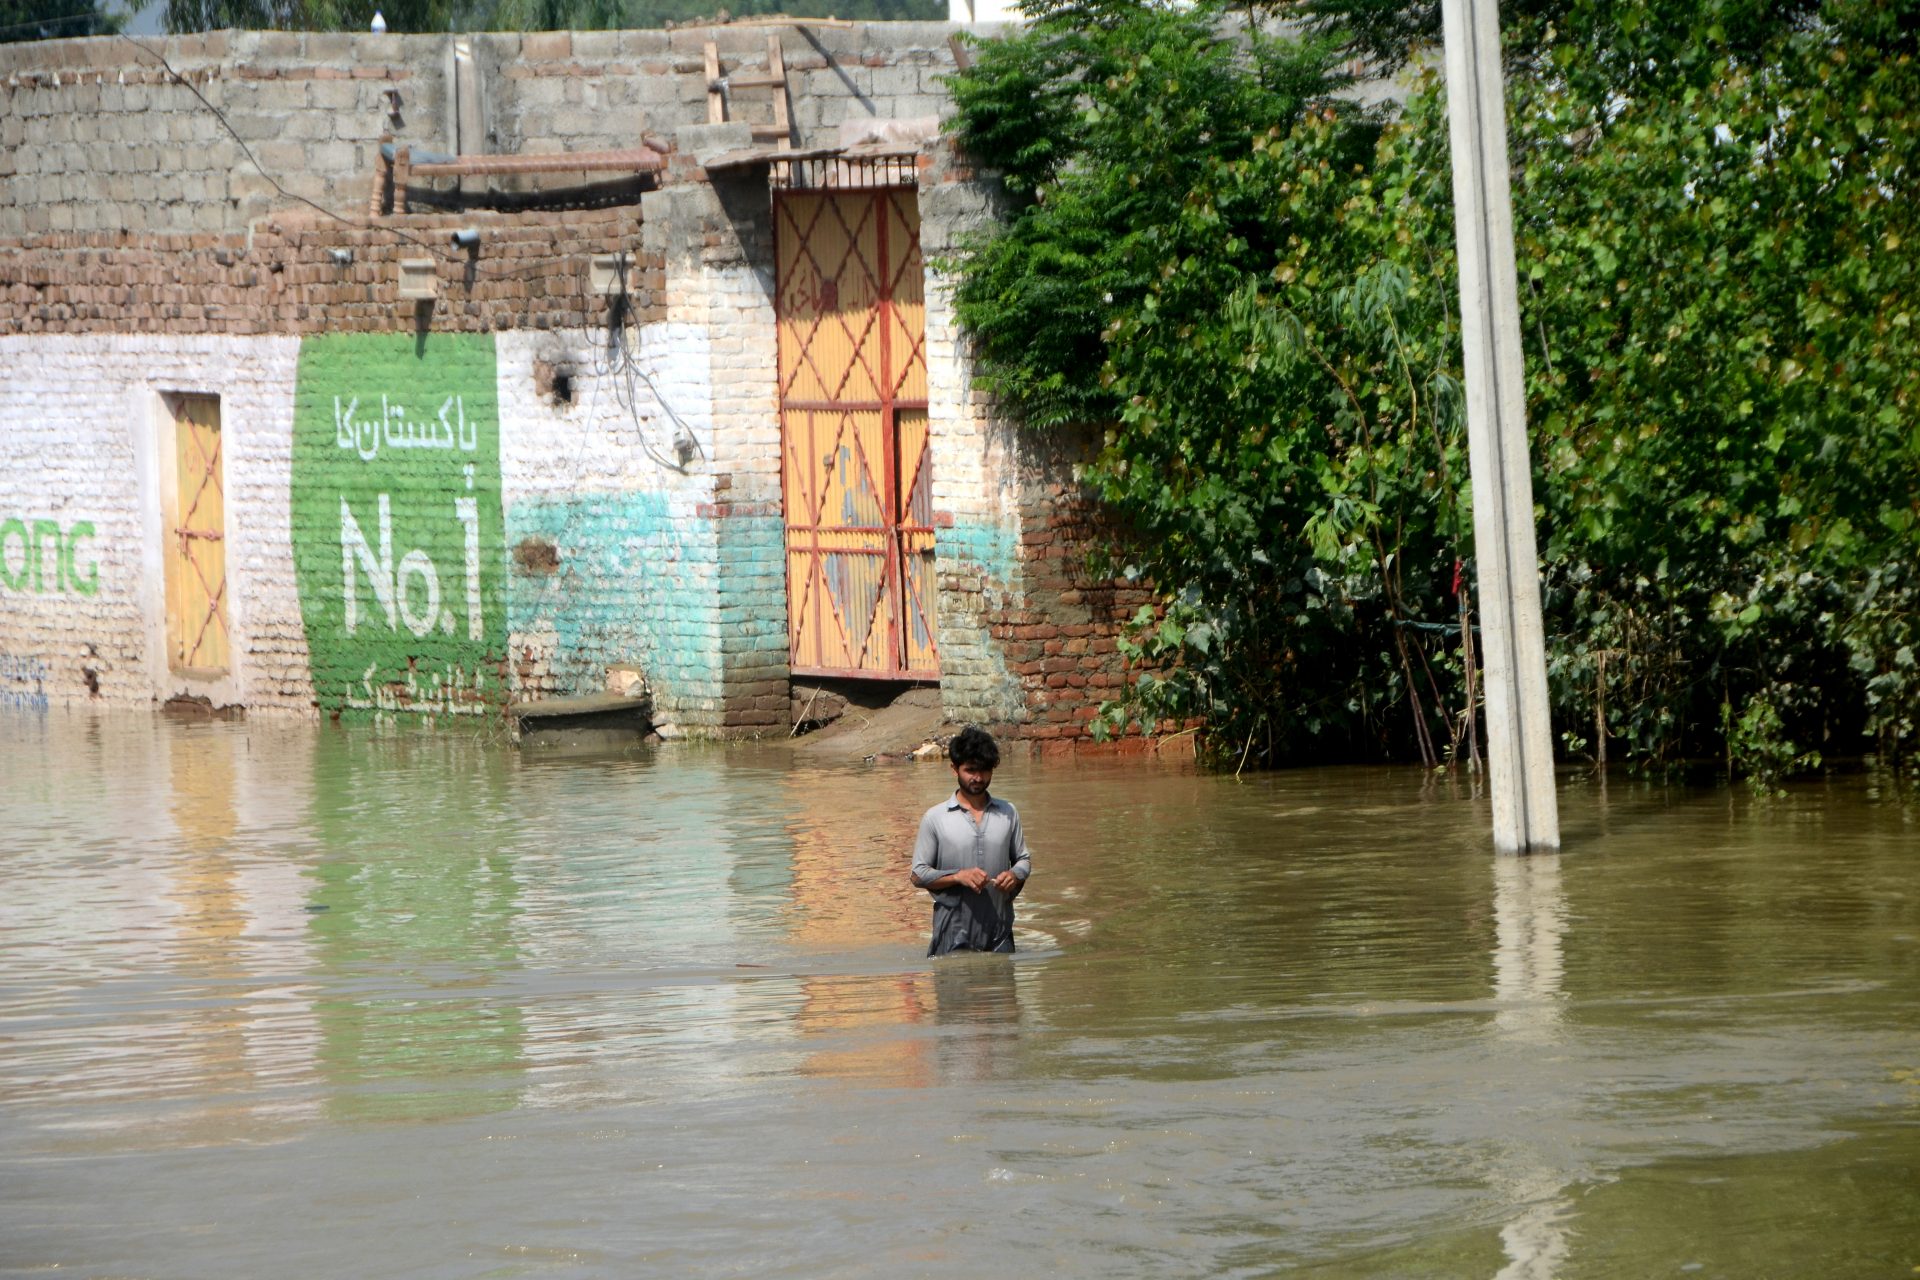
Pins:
x: 353, y: 543
x: 468, y: 510
x: 416, y: 564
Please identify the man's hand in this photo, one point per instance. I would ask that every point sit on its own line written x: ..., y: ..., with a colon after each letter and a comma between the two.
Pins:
x: 1007, y: 882
x: 974, y: 878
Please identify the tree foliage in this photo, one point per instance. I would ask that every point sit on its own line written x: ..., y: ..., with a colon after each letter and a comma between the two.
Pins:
x: 55, y: 19
x: 1210, y: 254
x: 1250, y: 287
x: 1726, y: 387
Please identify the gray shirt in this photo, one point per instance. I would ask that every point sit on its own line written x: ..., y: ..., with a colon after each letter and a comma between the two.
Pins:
x: 950, y: 840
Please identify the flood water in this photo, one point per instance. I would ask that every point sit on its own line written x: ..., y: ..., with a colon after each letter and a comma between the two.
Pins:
x: 299, y: 1001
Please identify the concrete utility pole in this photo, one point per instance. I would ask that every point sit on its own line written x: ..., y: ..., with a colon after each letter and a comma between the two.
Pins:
x: 1526, y: 817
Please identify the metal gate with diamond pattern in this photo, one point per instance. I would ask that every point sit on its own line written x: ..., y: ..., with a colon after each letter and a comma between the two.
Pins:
x: 853, y: 434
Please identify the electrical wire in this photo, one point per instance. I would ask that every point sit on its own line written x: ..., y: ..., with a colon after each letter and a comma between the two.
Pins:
x: 54, y: 22
x: 619, y: 358
x: 247, y: 151
x: 616, y: 362
x: 461, y: 260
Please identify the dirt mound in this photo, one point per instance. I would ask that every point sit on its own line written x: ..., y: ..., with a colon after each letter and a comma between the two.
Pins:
x: 899, y: 725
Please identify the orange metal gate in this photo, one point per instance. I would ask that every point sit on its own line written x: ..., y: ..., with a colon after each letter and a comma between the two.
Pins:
x: 853, y: 434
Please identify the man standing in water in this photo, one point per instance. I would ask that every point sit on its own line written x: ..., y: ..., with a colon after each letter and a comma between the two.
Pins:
x: 970, y: 854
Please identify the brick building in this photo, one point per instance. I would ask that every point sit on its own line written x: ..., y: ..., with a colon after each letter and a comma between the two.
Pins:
x: 413, y: 375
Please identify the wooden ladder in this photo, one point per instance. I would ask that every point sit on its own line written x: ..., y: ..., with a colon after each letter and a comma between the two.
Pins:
x: 774, y: 78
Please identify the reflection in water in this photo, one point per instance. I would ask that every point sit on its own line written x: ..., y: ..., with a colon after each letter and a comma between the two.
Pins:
x: 844, y: 841
x: 853, y: 1024
x: 965, y: 1018
x: 1530, y: 919
x: 206, y: 891
x: 355, y: 1003
x: 404, y: 886
x: 977, y: 1006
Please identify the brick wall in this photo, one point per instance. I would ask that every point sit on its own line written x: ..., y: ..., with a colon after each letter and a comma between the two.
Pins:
x: 976, y: 509
x: 606, y: 552
x: 630, y: 509
x: 716, y: 244
x: 80, y: 443
x: 1027, y: 630
x: 1059, y: 639
x: 529, y: 272
x: 610, y: 559
x: 97, y: 136
x: 100, y: 136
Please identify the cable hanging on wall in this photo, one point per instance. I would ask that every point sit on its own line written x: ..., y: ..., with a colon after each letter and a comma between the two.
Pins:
x: 618, y: 358
x: 453, y: 251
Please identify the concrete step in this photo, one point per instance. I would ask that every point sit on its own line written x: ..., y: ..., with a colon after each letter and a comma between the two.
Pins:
x: 599, y: 719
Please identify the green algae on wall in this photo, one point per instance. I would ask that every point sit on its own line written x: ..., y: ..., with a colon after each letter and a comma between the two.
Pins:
x: 398, y: 536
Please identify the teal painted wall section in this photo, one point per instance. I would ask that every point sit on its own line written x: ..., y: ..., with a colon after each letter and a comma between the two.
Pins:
x: 978, y: 567
x: 753, y: 616
x: 753, y: 590
x: 633, y: 582
x: 992, y: 547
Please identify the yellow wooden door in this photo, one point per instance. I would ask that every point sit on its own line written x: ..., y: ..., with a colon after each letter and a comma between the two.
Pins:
x: 196, y: 558
x: 854, y: 439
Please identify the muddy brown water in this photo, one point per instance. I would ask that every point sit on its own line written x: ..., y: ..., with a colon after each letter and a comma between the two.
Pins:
x: 297, y: 1001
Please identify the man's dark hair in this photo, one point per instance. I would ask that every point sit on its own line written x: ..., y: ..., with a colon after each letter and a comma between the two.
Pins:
x: 975, y: 746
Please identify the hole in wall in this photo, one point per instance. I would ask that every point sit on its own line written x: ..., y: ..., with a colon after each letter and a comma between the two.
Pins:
x: 537, y: 555
x: 553, y: 378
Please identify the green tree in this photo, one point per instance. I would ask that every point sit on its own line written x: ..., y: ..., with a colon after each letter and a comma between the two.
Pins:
x: 1725, y: 383
x: 53, y: 19
x: 1210, y: 257
x: 1249, y: 288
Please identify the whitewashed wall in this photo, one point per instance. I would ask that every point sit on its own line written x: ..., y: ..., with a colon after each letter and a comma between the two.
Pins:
x: 83, y: 421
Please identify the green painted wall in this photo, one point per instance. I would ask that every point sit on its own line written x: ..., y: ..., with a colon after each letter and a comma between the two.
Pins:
x: 398, y: 538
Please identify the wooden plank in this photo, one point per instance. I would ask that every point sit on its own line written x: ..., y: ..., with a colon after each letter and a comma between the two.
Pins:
x: 629, y: 160
x: 716, y: 98
x: 780, y: 20
x: 402, y: 174
x: 196, y: 555
x: 382, y: 174
x: 777, y: 72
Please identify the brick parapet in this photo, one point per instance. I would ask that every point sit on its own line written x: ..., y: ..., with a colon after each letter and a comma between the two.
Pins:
x: 96, y: 134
